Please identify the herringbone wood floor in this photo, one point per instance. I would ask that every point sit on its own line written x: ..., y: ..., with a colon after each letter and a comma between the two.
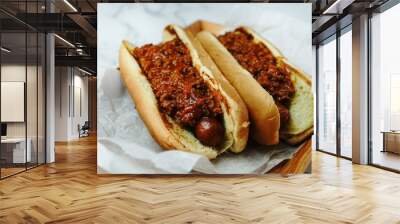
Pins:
x: 69, y: 191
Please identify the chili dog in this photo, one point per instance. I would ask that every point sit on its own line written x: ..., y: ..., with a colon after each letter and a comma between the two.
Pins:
x: 278, y: 95
x: 183, y: 99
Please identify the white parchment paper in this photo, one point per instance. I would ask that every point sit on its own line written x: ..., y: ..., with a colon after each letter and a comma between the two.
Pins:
x: 124, y: 144
x: 128, y: 148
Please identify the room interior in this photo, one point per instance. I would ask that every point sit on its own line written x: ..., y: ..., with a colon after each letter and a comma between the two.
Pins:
x: 49, y: 113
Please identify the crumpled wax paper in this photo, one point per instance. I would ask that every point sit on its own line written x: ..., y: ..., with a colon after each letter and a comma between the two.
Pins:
x: 126, y: 147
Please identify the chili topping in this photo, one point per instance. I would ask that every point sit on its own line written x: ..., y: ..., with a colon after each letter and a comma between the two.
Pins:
x: 180, y: 90
x: 259, y: 61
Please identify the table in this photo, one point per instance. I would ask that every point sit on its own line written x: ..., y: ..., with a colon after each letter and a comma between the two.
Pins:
x: 391, y: 141
x: 17, y: 150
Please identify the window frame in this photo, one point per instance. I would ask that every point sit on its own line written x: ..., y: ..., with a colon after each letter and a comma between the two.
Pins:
x: 334, y: 37
x: 381, y: 9
x: 27, y: 29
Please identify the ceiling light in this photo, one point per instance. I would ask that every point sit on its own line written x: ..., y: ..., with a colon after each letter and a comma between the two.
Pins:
x: 79, y: 51
x: 84, y: 71
x: 337, y: 7
x: 5, y: 50
x: 333, y: 6
x: 65, y: 41
x: 70, y: 5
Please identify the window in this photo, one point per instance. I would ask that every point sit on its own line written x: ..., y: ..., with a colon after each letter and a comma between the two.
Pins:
x: 394, y: 111
x: 333, y: 106
x: 346, y: 94
x: 22, y: 75
x: 327, y: 97
x: 385, y: 89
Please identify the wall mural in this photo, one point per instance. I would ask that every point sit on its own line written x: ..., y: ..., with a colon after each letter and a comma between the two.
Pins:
x: 204, y: 88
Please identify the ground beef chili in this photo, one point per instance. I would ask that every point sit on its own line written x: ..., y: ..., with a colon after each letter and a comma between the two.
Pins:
x: 259, y: 61
x: 180, y: 90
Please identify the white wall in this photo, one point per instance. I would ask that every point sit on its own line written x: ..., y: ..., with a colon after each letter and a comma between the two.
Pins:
x: 62, y: 81
x: 71, y: 102
x: 12, y: 73
x: 80, y: 110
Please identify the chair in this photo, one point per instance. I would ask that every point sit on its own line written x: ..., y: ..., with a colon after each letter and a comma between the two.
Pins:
x: 84, y: 130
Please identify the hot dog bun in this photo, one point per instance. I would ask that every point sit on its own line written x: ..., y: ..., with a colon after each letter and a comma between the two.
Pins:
x: 163, y: 128
x: 263, y: 111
